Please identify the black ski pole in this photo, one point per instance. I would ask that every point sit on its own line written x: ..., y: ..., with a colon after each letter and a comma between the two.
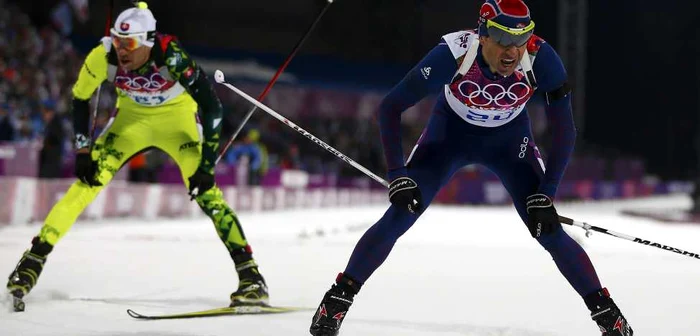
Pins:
x: 589, y: 228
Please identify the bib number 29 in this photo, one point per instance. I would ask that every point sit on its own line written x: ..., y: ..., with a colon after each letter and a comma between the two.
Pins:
x: 471, y: 115
x: 149, y: 100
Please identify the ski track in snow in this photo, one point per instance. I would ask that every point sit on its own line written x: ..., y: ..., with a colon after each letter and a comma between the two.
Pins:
x: 460, y: 271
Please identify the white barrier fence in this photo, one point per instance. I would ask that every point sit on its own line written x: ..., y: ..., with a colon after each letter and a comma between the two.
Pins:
x: 28, y: 200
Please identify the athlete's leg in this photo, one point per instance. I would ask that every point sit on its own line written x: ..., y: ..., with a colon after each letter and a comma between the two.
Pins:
x: 123, y: 138
x: 517, y: 163
x: 439, y: 153
x: 179, y: 137
x: 435, y: 158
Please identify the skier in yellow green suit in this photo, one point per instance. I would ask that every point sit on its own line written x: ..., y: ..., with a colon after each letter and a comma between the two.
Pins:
x: 159, y: 89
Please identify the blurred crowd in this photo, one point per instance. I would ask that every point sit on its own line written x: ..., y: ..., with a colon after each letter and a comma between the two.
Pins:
x: 38, y: 66
x: 283, y: 147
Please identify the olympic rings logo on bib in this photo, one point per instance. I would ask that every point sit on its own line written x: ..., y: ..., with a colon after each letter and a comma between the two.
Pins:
x: 155, y: 82
x: 149, y: 89
x: 493, y: 95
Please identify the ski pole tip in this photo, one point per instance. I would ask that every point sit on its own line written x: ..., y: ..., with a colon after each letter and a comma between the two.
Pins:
x: 219, y: 76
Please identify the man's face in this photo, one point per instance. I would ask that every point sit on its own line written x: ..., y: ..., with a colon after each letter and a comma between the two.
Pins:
x: 134, y: 59
x: 500, y: 59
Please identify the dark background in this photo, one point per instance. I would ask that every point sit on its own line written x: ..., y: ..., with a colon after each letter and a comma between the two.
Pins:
x: 642, y: 83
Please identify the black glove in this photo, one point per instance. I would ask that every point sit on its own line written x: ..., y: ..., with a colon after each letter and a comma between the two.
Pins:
x: 404, y: 192
x: 86, y: 169
x: 542, y: 217
x: 200, y: 182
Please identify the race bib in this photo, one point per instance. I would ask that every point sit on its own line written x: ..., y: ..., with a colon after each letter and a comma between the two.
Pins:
x: 148, y: 89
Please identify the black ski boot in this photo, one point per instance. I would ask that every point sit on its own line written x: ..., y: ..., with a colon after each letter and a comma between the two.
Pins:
x: 26, y: 274
x: 334, y: 307
x: 607, y: 315
x: 252, y: 289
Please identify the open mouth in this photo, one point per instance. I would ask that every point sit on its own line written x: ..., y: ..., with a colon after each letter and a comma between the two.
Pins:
x: 507, y: 62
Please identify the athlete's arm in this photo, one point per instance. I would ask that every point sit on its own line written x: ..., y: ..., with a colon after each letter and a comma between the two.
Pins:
x: 427, y: 77
x: 190, y: 75
x: 92, y: 74
x: 552, y: 80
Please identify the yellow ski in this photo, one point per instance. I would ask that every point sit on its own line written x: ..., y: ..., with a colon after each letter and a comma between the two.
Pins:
x: 237, y: 310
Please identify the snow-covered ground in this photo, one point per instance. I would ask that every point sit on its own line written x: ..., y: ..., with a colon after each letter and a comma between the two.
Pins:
x: 459, y: 271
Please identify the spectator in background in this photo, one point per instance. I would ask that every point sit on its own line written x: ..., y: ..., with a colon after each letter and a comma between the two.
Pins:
x: 256, y: 153
x: 64, y: 13
x: 256, y: 175
x: 36, y: 64
x: 144, y: 166
x: 7, y: 129
x: 291, y: 159
x: 59, y: 14
x: 155, y: 159
x: 51, y: 155
x: 25, y: 133
x: 137, y: 168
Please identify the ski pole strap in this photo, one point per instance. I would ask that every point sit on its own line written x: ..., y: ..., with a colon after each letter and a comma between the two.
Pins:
x: 588, y: 228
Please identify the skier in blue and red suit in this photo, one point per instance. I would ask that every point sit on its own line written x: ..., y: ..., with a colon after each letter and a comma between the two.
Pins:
x: 484, y: 78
